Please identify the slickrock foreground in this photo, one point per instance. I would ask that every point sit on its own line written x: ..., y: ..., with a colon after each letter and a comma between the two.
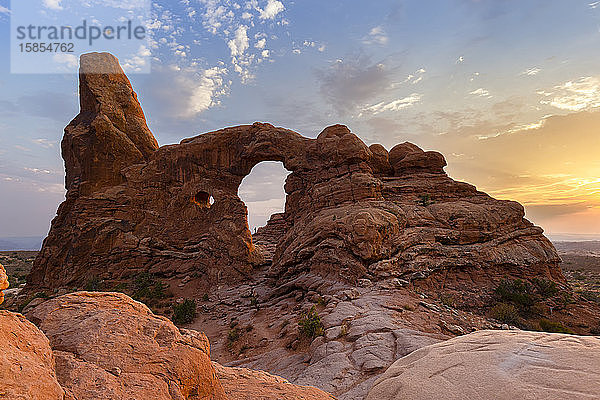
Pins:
x: 502, y: 365
x: 26, y: 361
x: 108, y: 346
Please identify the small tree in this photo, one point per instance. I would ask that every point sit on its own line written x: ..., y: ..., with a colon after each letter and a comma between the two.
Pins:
x: 185, y: 312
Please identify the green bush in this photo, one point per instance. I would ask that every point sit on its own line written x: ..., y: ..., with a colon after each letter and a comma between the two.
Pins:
x: 554, y: 327
x: 545, y: 287
x: 185, y: 312
x: 518, y: 292
x: 505, y: 313
x: 425, y: 200
x: 147, y: 287
x: 121, y: 288
x: 310, y: 324
x: 233, y: 335
x: 94, y: 284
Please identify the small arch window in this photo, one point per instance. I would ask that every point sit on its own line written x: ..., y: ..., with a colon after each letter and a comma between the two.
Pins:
x: 203, y: 199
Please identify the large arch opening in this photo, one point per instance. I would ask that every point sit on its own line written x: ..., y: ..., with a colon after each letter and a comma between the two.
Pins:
x: 262, y: 192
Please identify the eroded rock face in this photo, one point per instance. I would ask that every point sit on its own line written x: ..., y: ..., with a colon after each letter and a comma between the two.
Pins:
x: 3, y: 283
x: 108, y: 346
x: 26, y: 361
x: 351, y: 211
x: 247, y: 384
x: 496, y: 365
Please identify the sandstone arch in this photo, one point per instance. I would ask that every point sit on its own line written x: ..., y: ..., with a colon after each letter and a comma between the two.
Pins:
x: 351, y: 211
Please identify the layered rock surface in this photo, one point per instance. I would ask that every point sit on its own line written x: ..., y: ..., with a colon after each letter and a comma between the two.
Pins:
x: 3, y: 283
x: 108, y: 346
x: 351, y: 211
x: 496, y: 365
x: 26, y: 361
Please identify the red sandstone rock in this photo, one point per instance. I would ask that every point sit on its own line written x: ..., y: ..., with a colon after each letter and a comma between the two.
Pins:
x: 246, y: 384
x: 109, y: 346
x: 26, y: 361
x: 347, y: 216
x: 3, y: 283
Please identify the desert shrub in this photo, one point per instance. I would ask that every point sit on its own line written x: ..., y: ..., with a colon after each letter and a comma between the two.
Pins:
x: 545, y: 287
x: 254, y: 302
x: 121, y: 288
x: 517, y: 292
x: 591, y: 296
x: 552, y: 326
x: 425, y: 200
x: 448, y: 300
x: 505, y: 313
x: 185, y: 312
x: 147, y: 287
x: 233, y: 335
x: 205, y: 297
x: 94, y: 284
x: 310, y: 324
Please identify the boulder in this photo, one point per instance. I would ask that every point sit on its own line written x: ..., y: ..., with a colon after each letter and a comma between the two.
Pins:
x: 3, y: 282
x: 503, y: 365
x: 108, y: 346
x: 247, y: 384
x: 26, y: 361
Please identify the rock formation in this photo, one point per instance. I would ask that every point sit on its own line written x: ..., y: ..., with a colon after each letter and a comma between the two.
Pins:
x: 247, y: 384
x: 107, y: 346
x: 26, y: 361
x: 351, y: 212
x: 503, y: 365
x: 3, y: 283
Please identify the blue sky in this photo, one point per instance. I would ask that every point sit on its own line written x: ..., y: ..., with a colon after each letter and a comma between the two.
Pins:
x: 508, y: 90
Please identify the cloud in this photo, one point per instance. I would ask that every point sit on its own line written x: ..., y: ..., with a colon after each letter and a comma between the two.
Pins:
x: 187, y: 92
x: 240, y: 43
x: 273, y: 8
x: 530, y: 71
x: 261, y: 44
x: 52, y: 4
x: 352, y: 83
x: 69, y: 60
x: 376, y: 35
x: 45, y: 143
x: 481, y: 92
x: 395, y: 105
x: 578, y: 95
x: 4, y: 10
x: 594, y: 4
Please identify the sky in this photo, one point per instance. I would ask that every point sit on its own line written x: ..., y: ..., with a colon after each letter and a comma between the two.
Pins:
x: 507, y: 90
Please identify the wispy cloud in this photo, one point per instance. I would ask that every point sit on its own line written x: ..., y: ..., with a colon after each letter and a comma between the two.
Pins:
x: 348, y: 84
x: 376, y: 35
x: 582, y: 94
x: 52, y: 4
x: 395, y: 105
x: 531, y: 71
x: 481, y: 92
x: 271, y: 10
x: 187, y: 92
x: 4, y: 10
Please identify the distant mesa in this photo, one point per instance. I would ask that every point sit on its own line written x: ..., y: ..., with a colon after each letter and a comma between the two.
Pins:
x: 352, y: 211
